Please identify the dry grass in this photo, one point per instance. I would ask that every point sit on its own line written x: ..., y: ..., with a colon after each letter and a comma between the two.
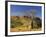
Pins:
x: 25, y: 27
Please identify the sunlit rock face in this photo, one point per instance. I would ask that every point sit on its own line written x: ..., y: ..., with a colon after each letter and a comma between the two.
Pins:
x: 36, y: 23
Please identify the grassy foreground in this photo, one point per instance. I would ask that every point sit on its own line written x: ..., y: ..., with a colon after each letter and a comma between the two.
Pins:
x: 21, y: 24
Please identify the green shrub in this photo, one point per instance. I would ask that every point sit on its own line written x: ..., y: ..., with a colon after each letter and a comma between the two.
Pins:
x: 15, y: 23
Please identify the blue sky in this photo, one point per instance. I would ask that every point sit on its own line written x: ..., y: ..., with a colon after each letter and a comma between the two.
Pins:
x: 20, y: 10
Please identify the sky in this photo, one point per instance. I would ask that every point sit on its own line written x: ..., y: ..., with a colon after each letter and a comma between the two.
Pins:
x: 23, y: 10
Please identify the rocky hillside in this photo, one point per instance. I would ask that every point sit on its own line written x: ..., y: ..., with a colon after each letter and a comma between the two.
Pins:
x: 25, y: 23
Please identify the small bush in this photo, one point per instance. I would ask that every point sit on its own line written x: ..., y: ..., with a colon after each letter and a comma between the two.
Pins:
x: 15, y: 23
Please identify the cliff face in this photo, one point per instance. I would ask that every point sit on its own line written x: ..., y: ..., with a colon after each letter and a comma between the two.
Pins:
x: 24, y: 19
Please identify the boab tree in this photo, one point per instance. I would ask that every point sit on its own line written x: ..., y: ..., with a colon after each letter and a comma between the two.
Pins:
x: 33, y: 13
x: 36, y: 21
